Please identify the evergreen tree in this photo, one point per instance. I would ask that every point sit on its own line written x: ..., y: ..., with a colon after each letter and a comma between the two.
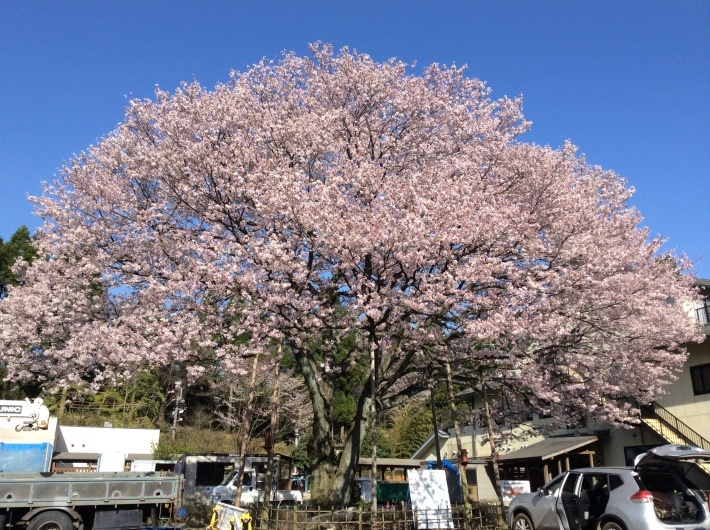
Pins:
x: 20, y: 245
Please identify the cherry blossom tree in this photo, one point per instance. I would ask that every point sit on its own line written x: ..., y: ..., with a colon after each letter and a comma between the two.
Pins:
x: 316, y: 199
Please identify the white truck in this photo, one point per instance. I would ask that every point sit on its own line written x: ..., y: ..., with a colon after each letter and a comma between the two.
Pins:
x: 254, y: 484
x: 210, y: 478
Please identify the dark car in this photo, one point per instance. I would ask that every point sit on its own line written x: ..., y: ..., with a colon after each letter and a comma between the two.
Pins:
x: 655, y: 494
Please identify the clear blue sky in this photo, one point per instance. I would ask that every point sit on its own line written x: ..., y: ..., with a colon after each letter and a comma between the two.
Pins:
x: 626, y: 81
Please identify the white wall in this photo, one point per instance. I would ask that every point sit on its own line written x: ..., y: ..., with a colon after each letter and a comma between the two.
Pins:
x: 679, y: 399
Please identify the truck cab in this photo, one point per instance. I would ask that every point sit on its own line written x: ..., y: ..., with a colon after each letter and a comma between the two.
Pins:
x: 253, y: 486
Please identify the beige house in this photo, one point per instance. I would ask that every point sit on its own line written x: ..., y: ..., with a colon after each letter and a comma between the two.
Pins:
x: 680, y: 416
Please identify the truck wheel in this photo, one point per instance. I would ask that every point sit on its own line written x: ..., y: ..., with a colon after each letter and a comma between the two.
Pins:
x: 51, y: 521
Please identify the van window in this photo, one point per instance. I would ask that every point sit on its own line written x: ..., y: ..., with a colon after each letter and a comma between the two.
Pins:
x: 615, y: 481
x: 553, y: 486
x: 570, y: 482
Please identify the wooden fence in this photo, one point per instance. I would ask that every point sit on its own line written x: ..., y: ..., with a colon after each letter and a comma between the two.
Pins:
x: 479, y: 517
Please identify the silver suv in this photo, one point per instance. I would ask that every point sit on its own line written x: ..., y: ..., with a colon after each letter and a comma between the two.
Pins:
x: 656, y: 494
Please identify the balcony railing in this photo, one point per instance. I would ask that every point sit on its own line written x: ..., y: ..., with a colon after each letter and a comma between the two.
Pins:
x: 654, y: 410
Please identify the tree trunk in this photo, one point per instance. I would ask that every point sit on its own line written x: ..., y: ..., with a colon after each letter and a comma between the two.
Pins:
x: 331, y: 487
x: 230, y: 409
x: 347, y: 468
x: 271, y: 442
x: 463, y: 482
x: 435, y: 424
x: 492, y: 443
x: 246, y: 431
x: 62, y: 405
x: 321, y: 449
x: 373, y: 428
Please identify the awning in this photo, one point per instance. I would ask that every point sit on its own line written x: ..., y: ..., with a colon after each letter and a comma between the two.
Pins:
x: 550, y: 448
x: 75, y: 456
x: 85, y: 457
x: 393, y: 462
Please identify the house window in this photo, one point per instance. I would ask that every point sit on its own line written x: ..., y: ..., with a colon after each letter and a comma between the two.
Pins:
x: 702, y: 313
x: 700, y: 375
x: 210, y: 473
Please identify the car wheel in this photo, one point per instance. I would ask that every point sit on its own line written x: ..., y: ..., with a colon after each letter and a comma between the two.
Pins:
x: 51, y: 521
x: 522, y: 522
x: 610, y: 525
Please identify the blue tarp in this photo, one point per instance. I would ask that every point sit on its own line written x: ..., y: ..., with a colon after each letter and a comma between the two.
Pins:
x: 453, y: 479
x: 25, y: 457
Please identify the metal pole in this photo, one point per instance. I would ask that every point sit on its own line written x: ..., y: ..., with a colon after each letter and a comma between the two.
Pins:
x: 436, y: 430
x: 177, y: 411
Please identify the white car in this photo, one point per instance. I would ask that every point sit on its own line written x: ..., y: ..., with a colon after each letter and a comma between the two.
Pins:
x: 655, y: 494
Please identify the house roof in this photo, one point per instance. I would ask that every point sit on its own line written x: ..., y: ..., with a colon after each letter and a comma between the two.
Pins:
x: 429, y: 441
x: 550, y: 447
x: 85, y: 457
x: 394, y: 462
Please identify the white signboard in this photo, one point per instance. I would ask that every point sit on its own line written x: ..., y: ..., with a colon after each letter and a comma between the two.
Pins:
x: 512, y: 488
x: 112, y: 462
x: 430, y: 498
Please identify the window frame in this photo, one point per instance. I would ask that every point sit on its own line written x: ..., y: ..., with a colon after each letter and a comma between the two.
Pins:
x: 700, y: 379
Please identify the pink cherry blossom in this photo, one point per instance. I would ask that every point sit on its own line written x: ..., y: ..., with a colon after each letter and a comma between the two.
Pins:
x: 317, y: 197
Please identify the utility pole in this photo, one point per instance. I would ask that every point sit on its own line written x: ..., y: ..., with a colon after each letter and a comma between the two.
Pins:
x: 177, y: 412
x: 436, y: 428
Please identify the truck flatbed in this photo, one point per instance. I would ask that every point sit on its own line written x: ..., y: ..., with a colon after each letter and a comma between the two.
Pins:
x: 36, y: 490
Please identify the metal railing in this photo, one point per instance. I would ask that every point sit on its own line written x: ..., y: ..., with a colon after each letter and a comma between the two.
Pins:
x: 654, y: 410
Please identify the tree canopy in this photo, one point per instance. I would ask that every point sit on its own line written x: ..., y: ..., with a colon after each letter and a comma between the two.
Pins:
x: 328, y: 199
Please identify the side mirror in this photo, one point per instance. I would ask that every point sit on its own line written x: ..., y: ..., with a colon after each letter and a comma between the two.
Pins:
x: 539, y: 491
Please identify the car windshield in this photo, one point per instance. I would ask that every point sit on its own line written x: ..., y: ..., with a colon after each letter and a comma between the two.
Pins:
x: 229, y: 477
